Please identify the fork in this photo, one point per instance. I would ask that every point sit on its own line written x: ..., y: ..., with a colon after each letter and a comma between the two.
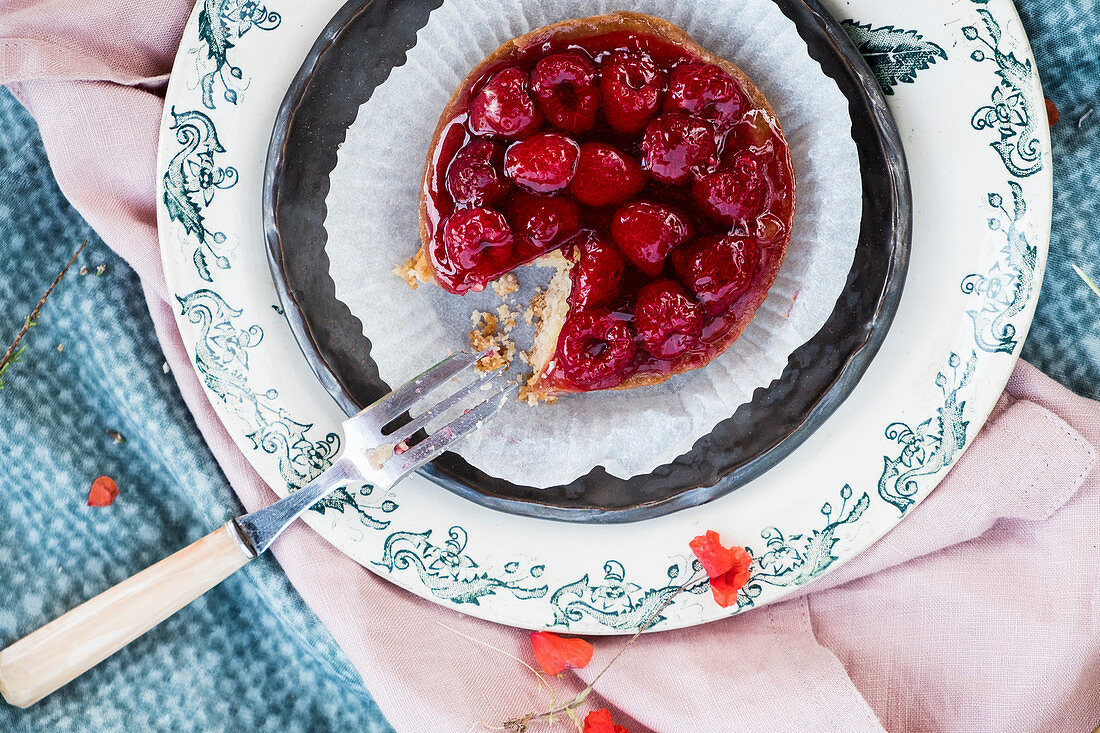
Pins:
x: 65, y: 648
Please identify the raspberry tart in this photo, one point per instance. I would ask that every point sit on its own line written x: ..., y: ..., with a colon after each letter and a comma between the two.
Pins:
x: 653, y: 174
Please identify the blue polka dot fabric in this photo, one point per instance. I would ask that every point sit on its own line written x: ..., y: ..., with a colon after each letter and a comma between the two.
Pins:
x: 249, y: 655
x: 1065, y: 336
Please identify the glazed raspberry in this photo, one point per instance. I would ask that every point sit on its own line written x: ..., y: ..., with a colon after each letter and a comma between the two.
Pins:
x: 706, y: 91
x: 748, y: 136
x: 606, y: 176
x: 478, y: 241
x: 717, y: 269
x: 675, y: 146
x: 504, y: 106
x: 646, y: 232
x: 542, y: 163
x: 474, y: 176
x: 566, y: 86
x: 543, y: 222
x: 598, y: 272
x: 595, y: 348
x: 733, y: 195
x: 669, y: 321
x: 633, y: 86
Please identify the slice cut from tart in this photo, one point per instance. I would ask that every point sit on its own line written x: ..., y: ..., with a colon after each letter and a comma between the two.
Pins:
x: 653, y: 174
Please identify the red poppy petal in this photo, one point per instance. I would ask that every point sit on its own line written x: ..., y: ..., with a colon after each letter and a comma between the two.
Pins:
x: 724, y: 592
x: 103, y: 491
x: 727, y: 568
x: 724, y: 588
x: 599, y: 721
x: 1052, y: 113
x: 555, y: 654
x: 708, y: 548
x: 741, y: 560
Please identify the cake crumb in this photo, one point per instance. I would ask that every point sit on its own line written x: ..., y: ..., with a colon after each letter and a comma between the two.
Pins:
x: 537, y: 306
x: 487, y: 334
x: 526, y: 394
x: 532, y: 397
x: 378, y: 456
x: 483, y: 334
x: 507, y: 316
x: 414, y: 270
x: 506, y: 284
x: 493, y: 361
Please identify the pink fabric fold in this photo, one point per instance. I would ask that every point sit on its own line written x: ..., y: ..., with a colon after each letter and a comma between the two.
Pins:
x: 979, y: 612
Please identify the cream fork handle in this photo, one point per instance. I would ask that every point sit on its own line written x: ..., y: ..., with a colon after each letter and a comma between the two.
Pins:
x: 68, y: 646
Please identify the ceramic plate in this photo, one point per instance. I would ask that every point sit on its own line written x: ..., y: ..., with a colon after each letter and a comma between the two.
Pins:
x: 963, y: 88
x: 356, y: 52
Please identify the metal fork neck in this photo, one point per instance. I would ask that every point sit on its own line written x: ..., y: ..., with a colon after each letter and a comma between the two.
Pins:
x: 259, y: 529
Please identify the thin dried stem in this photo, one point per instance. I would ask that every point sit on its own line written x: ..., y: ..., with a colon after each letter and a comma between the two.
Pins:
x: 37, y: 309
x: 1088, y: 280
x: 521, y: 723
x: 518, y: 724
x: 538, y: 674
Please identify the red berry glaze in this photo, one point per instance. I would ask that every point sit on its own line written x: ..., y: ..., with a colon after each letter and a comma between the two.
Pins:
x: 542, y: 223
x: 705, y: 91
x: 474, y: 175
x: 658, y: 169
x: 479, y: 243
x: 646, y: 232
x: 669, y: 321
x: 598, y: 272
x: 567, y: 88
x: 717, y: 269
x: 504, y: 106
x: 676, y: 146
x: 734, y: 194
x: 595, y: 347
x: 542, y: 163
x: 633, y: 86
x: 606, y: 176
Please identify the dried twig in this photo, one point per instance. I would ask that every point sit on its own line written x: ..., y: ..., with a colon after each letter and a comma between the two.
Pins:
x: 1088, y: 280
x: 11, y: 355
x: 521, y: 723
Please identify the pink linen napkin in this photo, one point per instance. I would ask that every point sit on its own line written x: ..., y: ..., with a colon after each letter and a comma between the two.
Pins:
x: 980, y: 612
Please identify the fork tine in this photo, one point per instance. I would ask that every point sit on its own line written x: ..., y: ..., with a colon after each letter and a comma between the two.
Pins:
x: 448, y: 435
x: 398, y: 402
x: 405, y: 431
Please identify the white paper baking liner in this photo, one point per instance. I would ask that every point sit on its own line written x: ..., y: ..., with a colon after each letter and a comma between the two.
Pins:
x: 372, y: 226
